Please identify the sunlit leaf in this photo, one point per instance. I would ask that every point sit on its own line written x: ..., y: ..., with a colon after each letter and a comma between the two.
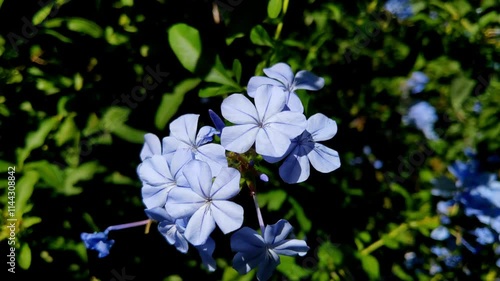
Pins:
x: 185, y: 41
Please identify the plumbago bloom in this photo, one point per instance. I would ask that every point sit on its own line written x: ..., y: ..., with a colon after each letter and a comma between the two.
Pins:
x: 474, y: 193
x: 253, y: 250
x: 264, y: 124
x: 423, y: 116
x: 189, y: 180
x: 305, y: 150
x: 206, y: 203
x: 281, y: 76
x: 183, y: 137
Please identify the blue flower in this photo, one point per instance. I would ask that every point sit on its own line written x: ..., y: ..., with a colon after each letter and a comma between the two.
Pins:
x: 417, y: 82
x: 281, y: 75
x: 173, y: 231
x: 484, y: 235
x: 400, y: 8
x: 265, y: 123
x: 305, y: 151
x: 423, y: 116
x: 97, y: 241
x: 159, y: 174
x: 253, y: 250
x: 440, y: 233
x: 206, y: 203
x: 183, y: 136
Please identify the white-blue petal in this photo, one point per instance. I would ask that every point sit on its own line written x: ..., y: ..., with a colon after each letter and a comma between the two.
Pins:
x: 257, y: 81
x: 228, y: 215
x: 270, y: 142
x: 269, y: 100
x: 281, y: 72
x: 200, y: 226
x: 226, y: 185
x: 214, y: 155
x: 275, y: 233
x: 321, y: 127
x: 184, y: 128
x: 294, y: 103
x: 289, y: 123
x: 308, y: 81
x: 295, y: 169
x: 239, y: 138
x: 324, y: 159
x: 151, y: 146
x: 183, y: 202
x: 237, y: 109
x: 199, y: 177
x: 292, y: 247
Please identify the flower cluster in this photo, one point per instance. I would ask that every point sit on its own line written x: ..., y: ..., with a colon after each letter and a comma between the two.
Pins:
x: 402, y: 9
x: 191, y: 177
x: 475, y: 193
x: 423, y: 116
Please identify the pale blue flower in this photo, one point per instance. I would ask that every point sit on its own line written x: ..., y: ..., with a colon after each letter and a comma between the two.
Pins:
x: 173, y: 231
x: 253, y: 250
x: 423, y: 116
x: 417, y: 82
x: 402, y: 9
x: 484, y: 235
x: 265, y: 123
x: 97, y: 241
x: 206, y: 203
x: 183, y: 136
x: 281, y: 75
x: 159, y: 175
x: 305, y: 150
x: 440, y: 233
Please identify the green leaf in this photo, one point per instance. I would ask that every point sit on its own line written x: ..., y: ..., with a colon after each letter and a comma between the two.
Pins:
x: 290, y: 269
x: 214, y: 91
x: 274, y: 8
x: 304, y: 222
x: 460, y: 90
x: 237, y: 70
x: 185, y: 41
x: 51, y: 174
x: 25, y: 256
x: 84, y: 172
x: 170, y: 102
x: 129, y: 134
x: 24, y: 189
x: 371, y: 266
x: 219, y: 74
x: 260, y: 37
x: 84, y: 26
x: 273, y: 199
x: 27, y: 222
x: 67, y: 131
x: 37, y: 138
x: 42, y: 14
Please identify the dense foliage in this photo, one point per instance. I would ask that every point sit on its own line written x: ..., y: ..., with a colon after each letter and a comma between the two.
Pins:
x: 413, y: 87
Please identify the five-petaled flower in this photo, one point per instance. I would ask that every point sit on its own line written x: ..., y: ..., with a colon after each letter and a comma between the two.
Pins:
x: 281, y: 76
x: 265, y: 123
x: 305, y: 149
x: 183, y: 136
x: 97, y: 241
x: 206, y: 203
x: 253, y: 250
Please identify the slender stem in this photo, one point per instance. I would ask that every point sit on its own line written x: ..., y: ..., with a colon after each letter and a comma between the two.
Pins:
x: 127, y: 225
x: 379, y: 243
x: 259, y: 214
